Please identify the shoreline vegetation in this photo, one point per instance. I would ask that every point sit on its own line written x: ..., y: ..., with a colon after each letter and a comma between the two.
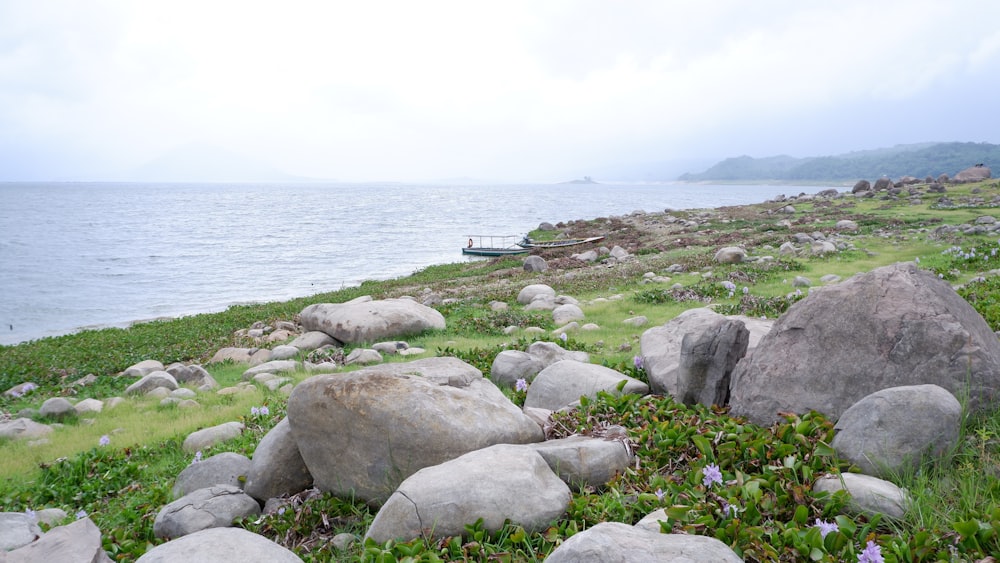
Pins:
x: 118, y: 466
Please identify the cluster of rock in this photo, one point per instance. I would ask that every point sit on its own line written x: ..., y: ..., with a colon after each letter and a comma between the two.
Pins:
x: 436, y: 445
x: 864, y: 188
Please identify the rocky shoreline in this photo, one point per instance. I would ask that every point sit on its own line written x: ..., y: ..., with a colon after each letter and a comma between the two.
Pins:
x: 419, y: 439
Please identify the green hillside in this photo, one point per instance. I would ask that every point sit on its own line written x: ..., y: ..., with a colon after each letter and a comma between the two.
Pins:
x: 919, y: 160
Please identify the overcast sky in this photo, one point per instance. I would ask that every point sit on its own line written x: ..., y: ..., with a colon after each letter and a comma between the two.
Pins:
x: 504, y: 90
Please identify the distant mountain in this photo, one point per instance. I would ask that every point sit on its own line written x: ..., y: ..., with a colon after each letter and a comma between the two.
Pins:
x: 208, y: 163
x: 919, y: 160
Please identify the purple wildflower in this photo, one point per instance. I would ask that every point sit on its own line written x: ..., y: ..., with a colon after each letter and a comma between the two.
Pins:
x: 826, y: 527
x: 637, y: 362
x: 712, y: 475
x: 746, y: 290
x: 105, y: 440
x: 729, y: 510
x: 563, y: 337
x: 31, y: 514
x: 730, y: 286
x: 659, y: 494
x: 197, y: 456
x: 521, y: 385
x: 264, y: 411
x: 254, y: 411
x: 81, y: 514
x: 871, y: 554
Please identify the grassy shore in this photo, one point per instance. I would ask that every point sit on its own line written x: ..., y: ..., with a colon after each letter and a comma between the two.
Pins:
x: 768, y: 472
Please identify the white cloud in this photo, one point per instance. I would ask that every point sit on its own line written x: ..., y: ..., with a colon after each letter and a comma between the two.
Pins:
x: 522, y: 89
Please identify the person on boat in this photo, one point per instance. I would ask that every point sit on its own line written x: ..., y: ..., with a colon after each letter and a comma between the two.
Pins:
x: 470, y: 243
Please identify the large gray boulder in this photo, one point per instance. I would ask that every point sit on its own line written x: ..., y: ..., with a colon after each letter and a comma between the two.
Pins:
x: 498, y: 483
x: 211, y: 507
x: 661, y: 345
x: 707, y: 360
x: 277, y: 467
x: 620, y: 543
x: 891, y: 327
x: 361, y: 433
x: 226, y: 468
x: 891, y: 430
x: 220, y: 545
x: 78, y: 542
x: 370, y: 321
x: 564, y: 382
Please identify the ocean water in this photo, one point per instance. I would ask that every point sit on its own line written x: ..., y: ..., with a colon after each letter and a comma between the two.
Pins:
x: 86, y: 255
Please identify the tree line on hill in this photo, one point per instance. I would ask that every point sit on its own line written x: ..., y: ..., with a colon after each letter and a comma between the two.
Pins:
x: 919, y: 160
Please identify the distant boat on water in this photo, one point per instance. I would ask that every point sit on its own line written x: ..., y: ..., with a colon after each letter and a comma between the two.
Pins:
x: 493, y: 245
x: 528, y: 243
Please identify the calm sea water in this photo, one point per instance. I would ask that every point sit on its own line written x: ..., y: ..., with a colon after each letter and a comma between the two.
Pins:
x: 84, y: 255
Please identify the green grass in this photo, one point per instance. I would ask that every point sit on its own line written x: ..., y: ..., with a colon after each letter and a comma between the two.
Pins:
x: 767, y: 471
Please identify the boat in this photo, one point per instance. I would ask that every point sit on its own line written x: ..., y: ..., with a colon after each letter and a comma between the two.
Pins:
x: 493, y: 245
x: 528, y: 243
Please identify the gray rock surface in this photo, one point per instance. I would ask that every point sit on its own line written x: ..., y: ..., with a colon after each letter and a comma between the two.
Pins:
x: 511, y: 365
x: 57, y: 408
x: 78, y: 542
x: 212, y: 507
x: 707, y: 360
x: 890, y: 431
x: 528, y: 293
x: 313, y: 340
x: 221, y: 469
x: 535, y: 264
x: 193, y: 375
x: 363, y: 432
x: 564, y: 382
x: 869, y: 495
x: 371, y: 321
x: 497, y: 483
x: 661, y: 345
x: 151, y: 381
x: 614, y: 542
x: 220, y: 545
x: 549, y: 353
x: 24, y: 429
x: 582, y: 461
x: 142, y: 368
x: 276, y: 467
x: 202, y: 439
x: 730, y: 255
x: 17, y: 529
x: 567, y: 313
x: 891, y: 327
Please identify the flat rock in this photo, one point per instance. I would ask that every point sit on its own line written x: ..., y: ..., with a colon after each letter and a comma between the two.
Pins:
x: 564, y: 382
x: 614, y: 541
x: 499, y: 483
x: 212, y: 507
x: 206, y: 437
x: 220, y: 545
x: 371, y: 321
x: 77, y: 542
